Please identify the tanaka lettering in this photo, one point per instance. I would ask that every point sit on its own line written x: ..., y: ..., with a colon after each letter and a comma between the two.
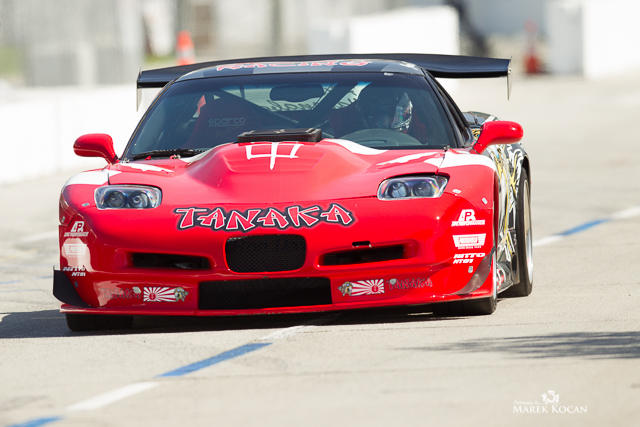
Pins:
x: 110, y: 294
x: 411, y: 283
x: 290, y: 217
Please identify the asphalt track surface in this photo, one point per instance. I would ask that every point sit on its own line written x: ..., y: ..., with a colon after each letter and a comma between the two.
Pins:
x: 577, y: 337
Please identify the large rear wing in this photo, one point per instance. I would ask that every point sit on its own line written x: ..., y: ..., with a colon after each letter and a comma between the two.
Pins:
x: 444, y: 66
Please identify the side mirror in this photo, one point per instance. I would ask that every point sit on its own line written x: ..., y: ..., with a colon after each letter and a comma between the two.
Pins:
x: 96, y: 145
x: 498, y: 132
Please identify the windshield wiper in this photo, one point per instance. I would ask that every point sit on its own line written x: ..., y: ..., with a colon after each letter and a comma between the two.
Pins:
x: 182, y: 152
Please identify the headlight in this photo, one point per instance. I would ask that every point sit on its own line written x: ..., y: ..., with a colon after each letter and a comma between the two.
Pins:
x: 412, y: 187
x: 127, y: 197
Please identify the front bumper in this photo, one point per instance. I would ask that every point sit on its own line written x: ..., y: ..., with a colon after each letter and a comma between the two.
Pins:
x: 97, y: 262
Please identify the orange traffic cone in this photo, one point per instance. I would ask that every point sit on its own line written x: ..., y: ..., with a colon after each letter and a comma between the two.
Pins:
x: 531, y: 60
x: 184, y: 49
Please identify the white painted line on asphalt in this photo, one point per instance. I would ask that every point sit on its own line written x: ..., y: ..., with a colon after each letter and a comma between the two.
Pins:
x: 627, y: 213
x: 546, y: 240
x: 623, y: 214
x: 136, y: 388
x: 227, y: 355
x: 111, y: 397
x: 283, y: 333
x: 288, y: 332
x: 133, y: 389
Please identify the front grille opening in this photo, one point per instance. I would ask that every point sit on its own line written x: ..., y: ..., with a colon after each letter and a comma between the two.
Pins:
x: 178, y: 262
x: 363, y: 256
x: 261, y: 254
x: 264, y: 293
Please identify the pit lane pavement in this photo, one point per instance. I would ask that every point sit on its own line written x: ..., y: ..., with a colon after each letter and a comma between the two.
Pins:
x: 576, y: 335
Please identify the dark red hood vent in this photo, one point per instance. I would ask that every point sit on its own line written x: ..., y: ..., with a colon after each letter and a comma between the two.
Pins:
x: 277, y: 135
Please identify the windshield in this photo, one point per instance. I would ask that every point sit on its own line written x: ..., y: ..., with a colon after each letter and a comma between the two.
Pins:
x: 380, y: 110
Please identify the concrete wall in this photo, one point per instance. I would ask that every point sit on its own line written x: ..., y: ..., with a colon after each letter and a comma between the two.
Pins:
x: 415, y: 30
x: 75, y: 42
x: 564, y: 26
x: 39, y: 127
x: 274, y: 27
x: 505, y: 17
x: 595, y: 38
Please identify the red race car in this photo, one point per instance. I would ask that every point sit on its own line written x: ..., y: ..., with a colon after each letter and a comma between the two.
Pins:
x: 299, y: 184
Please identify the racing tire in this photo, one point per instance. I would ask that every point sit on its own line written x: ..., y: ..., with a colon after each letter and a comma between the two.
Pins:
x: 97, y: 322
x: 524, y: 241
x: 480, y: 307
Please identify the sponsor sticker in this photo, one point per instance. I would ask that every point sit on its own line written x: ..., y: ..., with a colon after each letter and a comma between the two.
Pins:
x: 76, y: 271
x: 362, y: 287
x: 467, y: 217
x: 227, y: 121
x: 411, y: 283
x: 467, y: 258
x: 291, y: 64
x: 163, y: 294
x: 469, y: 241
x: 74, y: 250
x: 378, y: 286
x: 111, y: 294
x: 77, y: 230
x: 180, y: 294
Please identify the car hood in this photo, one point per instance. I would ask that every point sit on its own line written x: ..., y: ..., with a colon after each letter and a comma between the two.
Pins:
x: 276, y: 172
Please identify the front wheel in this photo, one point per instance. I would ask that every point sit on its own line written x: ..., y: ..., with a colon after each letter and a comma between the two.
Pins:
x: 97, y: 322
x: 524, y: 240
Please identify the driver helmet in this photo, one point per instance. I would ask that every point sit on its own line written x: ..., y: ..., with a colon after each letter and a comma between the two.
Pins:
x: 385, y: 108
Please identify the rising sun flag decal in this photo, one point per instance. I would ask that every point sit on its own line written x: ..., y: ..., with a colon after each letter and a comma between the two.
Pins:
x: 362, y: 287
x: 158, y: 294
